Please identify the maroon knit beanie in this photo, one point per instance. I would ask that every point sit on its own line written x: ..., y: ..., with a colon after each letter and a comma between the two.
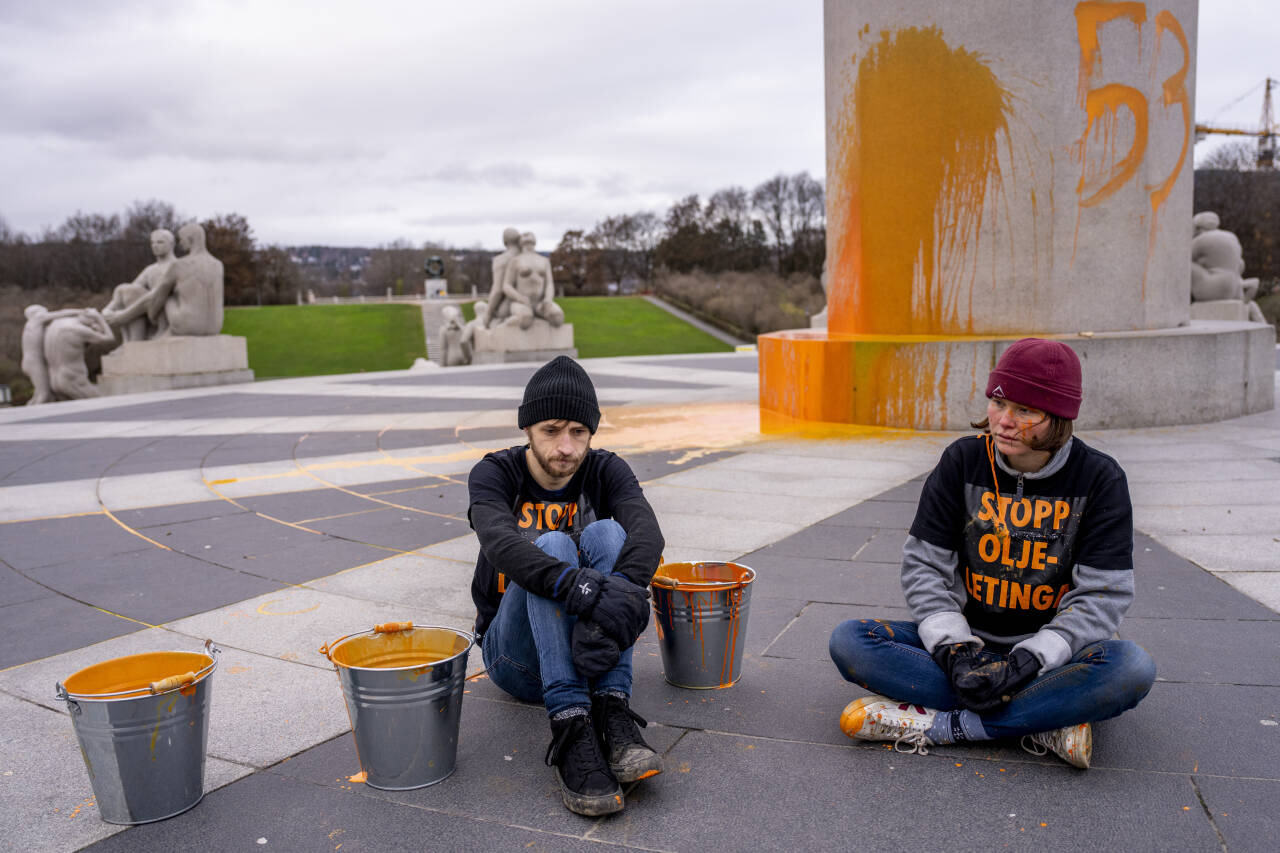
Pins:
x: 1041, y: 374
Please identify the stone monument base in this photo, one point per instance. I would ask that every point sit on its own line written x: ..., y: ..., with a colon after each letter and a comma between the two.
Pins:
x: 539, y: 342
x: 1206, y: 371
x: 165, y: 364
x: 1220, y: 309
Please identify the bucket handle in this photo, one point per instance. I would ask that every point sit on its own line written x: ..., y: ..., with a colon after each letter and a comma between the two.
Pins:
x: 156, y: 686
x: 383, y: 628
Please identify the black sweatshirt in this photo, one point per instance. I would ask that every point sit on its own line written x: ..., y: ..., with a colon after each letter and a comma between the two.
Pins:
x: 509, y: 510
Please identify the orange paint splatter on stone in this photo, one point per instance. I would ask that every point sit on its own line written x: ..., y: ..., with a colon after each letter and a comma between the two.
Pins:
x: 915, y: 160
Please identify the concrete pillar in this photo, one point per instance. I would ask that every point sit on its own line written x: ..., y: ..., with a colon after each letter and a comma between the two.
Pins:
x: 995, y: 171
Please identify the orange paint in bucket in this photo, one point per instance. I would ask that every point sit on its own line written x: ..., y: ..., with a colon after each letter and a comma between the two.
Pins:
x: 701, y: 611
x: 142, y: 725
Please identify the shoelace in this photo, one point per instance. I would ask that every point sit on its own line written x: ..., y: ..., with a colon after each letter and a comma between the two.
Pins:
x: 917, y: 741
x: 582, y: 750
x: 1033, y: 746
x: 617, y: 717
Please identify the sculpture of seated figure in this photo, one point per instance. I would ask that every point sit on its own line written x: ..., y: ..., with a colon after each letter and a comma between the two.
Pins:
x: 528, y: 287
x: 1217, y: 262
x: 187, y: 298
x: 66, y: 339
x: 498, y: 310
x: 451, y: 354
x: 127, y: 310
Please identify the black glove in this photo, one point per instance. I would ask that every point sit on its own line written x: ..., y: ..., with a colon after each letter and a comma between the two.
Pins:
x: 583, y: 592
x: 985, y: 685
x: 594, y: 652
x: 622, y: 611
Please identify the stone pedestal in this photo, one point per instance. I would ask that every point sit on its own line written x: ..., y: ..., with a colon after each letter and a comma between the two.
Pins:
x: 1000, y: 171
x: 175, y: 362
x: 1220, y: 309
x: 540, y: 342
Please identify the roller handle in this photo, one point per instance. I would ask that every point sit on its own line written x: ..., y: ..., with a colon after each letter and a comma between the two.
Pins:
x: 392, y: 627
x: 172, y: 681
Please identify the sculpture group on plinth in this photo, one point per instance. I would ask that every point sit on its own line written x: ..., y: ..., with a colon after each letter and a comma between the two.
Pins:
x: 162, y: 331
x: 1218, y: 289
x: 519, y: 320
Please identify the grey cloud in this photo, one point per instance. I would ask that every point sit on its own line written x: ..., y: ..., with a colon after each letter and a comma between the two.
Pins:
x: 494, y: 175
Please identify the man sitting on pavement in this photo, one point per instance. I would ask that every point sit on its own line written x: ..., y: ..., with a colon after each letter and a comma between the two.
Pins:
x: 568, y: 545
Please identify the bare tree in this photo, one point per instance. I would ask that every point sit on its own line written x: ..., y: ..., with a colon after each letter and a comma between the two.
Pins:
x: 1238, y: 156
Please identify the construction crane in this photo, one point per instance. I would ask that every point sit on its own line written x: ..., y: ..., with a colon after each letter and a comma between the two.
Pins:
x: 1267, y: 131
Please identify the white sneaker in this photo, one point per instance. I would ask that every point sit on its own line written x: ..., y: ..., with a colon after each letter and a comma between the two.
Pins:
x: 881, y: 718
x: 1074, y: 744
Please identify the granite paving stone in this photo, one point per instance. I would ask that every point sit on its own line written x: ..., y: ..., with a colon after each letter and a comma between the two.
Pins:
x: 401, y: 529
x: 153, y: 586
x: 47, y: 542
x: 501, y: 746
x: 298, y: 816
x: 761, y: 764
x: 1243, y: 810
x: 307, y: 504
x: 1191, y: 649
x: 833, y: 581
x: 762, y: 794
x: 809, y: 637
x: 320, y: 556
x: 16, y: 589
x: 54, y: 624
x: 157, y: 516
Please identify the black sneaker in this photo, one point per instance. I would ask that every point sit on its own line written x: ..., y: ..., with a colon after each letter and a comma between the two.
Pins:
x: 630, y: 758
x: 586, y: 783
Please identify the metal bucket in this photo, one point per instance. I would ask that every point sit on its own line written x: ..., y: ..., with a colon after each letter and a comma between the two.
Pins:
x: 142, y: 722
x: 701, y: 613
x: 403, y: 689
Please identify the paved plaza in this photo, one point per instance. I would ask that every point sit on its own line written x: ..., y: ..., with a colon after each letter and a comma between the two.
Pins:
x: 275, y: 517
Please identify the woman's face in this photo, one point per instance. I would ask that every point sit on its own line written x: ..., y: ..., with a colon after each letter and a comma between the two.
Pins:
x: 1014, y: 426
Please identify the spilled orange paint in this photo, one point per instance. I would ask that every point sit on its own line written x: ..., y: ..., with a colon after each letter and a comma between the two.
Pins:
x: 1102, y: 107
x: 916, y: 158
x: 882, y: 380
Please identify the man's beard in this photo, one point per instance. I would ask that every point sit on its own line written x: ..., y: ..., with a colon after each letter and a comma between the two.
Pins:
x: 562, y: 470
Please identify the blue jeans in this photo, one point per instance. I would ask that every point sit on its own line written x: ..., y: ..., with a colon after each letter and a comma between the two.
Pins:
x: 527, y: 648
x: 1102, y: 680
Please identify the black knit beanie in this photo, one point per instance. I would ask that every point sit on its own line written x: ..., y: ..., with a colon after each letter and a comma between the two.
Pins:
x: 560, y: 390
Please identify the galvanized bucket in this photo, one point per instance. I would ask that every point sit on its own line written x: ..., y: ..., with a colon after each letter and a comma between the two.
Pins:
x: 403, y: 689
x: 701, y: 613
x: 142, y: 722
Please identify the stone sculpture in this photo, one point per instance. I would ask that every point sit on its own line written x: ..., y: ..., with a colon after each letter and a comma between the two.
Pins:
x: 54, y: 344
x: 497, y: 310
x: 127, y: 310
x: 451, y: 331
x: 468, y: 340
x: 183, y: 296
x: 1217, y: 264
x: 520, y: 321
x: 528, y: 288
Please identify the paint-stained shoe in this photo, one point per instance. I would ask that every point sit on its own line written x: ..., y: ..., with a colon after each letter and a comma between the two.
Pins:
x: 629, y: 757
x: 881, y: 718
x: 587, y: 785
x: 1073, y: 744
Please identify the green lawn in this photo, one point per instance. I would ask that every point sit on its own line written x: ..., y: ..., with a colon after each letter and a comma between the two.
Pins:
x: 628, y: 325
x: 311, y: 340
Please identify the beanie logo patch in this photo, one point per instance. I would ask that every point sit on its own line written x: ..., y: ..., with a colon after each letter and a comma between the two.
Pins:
x: 998, y: 391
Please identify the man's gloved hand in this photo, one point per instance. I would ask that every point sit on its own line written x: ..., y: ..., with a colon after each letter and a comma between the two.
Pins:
x: 622, y: 611
x: 594, y: 652
x: 583, y: 593
x: 985, y: 685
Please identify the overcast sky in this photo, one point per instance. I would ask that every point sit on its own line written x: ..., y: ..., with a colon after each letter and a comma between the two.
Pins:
x: 357, y: 124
